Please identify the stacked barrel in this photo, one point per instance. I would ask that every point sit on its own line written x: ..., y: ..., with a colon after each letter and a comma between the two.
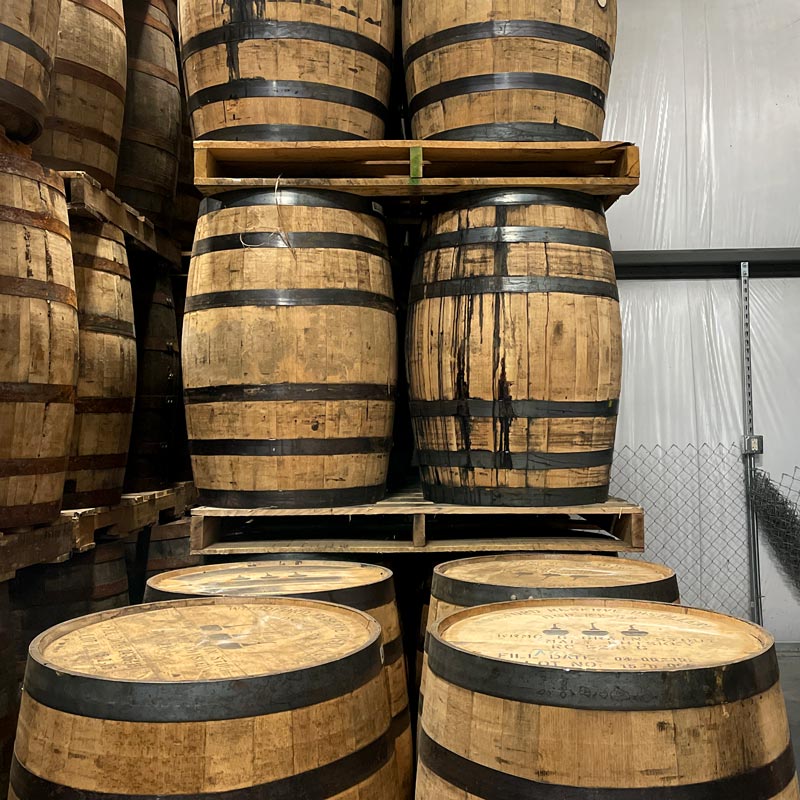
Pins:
x: 514, y: 334
x: 289, y: 338
x: 39, y: 304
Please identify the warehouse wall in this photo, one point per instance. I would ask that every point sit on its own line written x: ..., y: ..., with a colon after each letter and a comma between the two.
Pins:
x: 709, y: 90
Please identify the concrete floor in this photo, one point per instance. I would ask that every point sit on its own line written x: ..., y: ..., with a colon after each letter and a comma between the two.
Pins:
x: 790, y: 681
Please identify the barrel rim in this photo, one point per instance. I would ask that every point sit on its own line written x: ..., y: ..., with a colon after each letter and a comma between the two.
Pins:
x: 461, y: 591
x: 309, y: 198
x: 130, y: 700
x: 11, y: 164
x: 481, y: 198
x: 601, y: 689
x: 362, y: 596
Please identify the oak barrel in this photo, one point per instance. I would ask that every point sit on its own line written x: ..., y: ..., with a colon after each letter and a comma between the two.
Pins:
x: 169, y: 548
x: 289, y: 361
x: 148, y: 158
x: 86, y: 105
x: 511, y: 71
x: 256, y: 698
x: 39, y: 335
x: 288, y: 71
x: 28, y: 31
x: 367, y: 587
x: 153, y: 436
x: 9, y: 688
x: 477, y: 581
x: 523, y: 700
x: 47, y: 594
x: 514, y: 350
x: 107, y: 374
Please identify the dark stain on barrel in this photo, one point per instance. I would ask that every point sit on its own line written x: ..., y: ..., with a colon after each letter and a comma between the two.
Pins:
x: 241, y: 12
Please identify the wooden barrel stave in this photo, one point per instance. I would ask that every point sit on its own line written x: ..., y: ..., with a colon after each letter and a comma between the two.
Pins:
x: 107, y: 375
x: 366, y: 587
x: 512, y: 72
x: 38, y: 308
x: 323, y: 732
x: 148, y: 159
x: 86, y: 105
x: 293, y: 406
x: 28, y: 35
x: 693, y: 732
x: 152, y: 448
x: 294, y: 72
x: 514, y: 296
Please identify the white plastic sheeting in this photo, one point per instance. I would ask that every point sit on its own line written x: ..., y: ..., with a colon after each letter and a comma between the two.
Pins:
x: 682, y: 387
x: 709, y: 90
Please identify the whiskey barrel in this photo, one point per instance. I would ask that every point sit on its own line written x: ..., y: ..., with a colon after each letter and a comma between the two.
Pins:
x: 270, y: 697
x: 514, y: 350
x: 39, y: 335
x: 187, y: 198
x: 289, y: 359
x: 107, y: 373
x: 9, y: 688
x: 170, y: 548
x: 148, y: 158
x: 520, y: 72
x: 152, y: 447
x: 367, y: 587
x: 86, y: 105
x: 45, y: 595
x: 522, y: 700
x: 288, y: 71
x: 28, y: 31
x: 524, y: 576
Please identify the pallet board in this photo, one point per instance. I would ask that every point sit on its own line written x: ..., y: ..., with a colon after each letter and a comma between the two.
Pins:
x: 46, y: 545
x: 418, y: 168
x: 618, y: 526
x: 135, y: 511
x: 87, y: 198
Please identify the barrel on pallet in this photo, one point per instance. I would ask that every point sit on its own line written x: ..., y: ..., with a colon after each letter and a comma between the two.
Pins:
x: 514, y: 72
x: 45, y: 595
x: 86, y: 105
x: 39, y: 337
x: 522, y: 700
x: 107, y: 376
x: 271, y: 697
x: 514, y: 350
x: 288, y: 71
x: 9, y: 688
x: 152, y: 448
x: 148, y: 158
x: 28, y: 32
x: 367, y: 587
x: 289, y: 358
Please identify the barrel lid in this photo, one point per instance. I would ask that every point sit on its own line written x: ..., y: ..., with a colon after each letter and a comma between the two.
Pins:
x: 208, y: 658
x: 363, y: 586
x: 603, y: 654
x: 494, y: 579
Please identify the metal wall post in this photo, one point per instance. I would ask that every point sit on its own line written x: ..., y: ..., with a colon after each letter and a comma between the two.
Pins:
x: 752, y: 446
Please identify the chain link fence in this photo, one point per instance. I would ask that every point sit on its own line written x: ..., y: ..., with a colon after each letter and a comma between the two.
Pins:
x: 695, y: 518
x: 777, y: 508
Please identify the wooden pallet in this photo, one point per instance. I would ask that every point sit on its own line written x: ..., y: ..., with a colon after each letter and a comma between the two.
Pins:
x: 136, y: 511
x: 87, y: 198
x: 45, y: 545
x: 403, y: 169
x: 615, y: 526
